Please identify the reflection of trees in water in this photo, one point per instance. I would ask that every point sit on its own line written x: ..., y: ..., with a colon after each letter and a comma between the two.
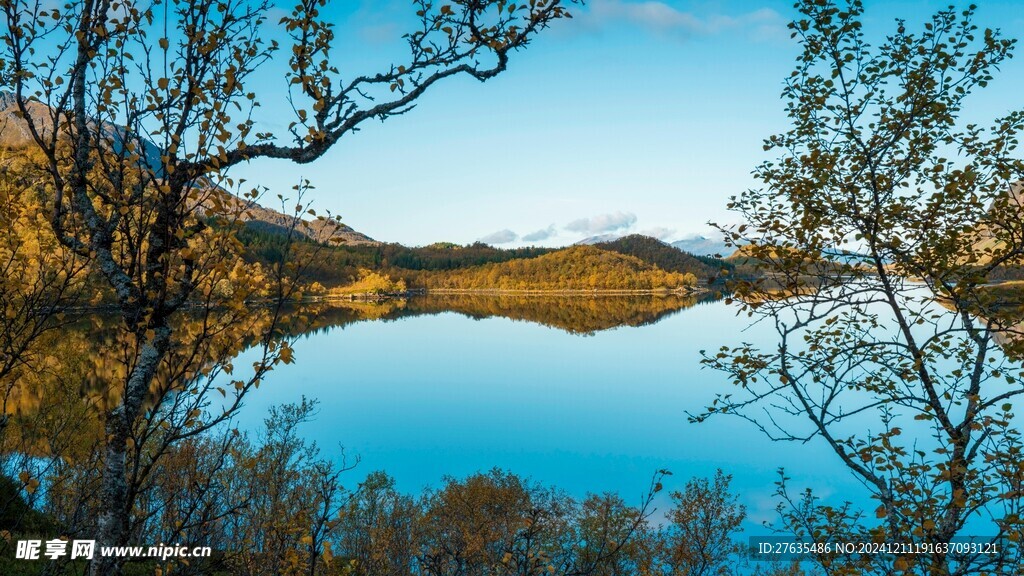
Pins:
x: 93, y: 350
x: 70, y: 384
x: 66, y: 389
x: 275, y: 492
x: 574, y: 314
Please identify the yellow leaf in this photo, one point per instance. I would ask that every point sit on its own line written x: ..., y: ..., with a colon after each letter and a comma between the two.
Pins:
x: 285, y: 354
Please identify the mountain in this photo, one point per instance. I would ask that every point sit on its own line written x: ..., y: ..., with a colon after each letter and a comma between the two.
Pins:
x: 987, y: 241
x: 704, y: 246
x: 265, y: 220
x: 15, y: 134
x: 598, y: 239
x: 667, y: 257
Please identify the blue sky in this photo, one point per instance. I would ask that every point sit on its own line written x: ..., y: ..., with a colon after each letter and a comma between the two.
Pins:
x: 635, y: 116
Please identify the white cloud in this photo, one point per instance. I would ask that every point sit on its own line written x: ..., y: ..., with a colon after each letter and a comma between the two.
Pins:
x: 661, y: 18
x: 603, y: 223
x: 542, y: 234
x: 500, y: 237
x: 659, y: 232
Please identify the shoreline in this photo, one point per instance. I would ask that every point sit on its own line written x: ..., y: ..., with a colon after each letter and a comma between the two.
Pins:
x: 565, y: 292
x: 418, y: 292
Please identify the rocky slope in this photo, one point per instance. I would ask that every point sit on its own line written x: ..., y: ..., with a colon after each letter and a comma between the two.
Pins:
x: 15, y: 134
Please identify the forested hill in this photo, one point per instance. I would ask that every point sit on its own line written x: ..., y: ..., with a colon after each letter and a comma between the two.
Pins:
x: 573, y: 268
x: 668, y: 257
x: 448, y: 256
x: 16, y: 143
x: 341, y: 264
x: 634, y: 263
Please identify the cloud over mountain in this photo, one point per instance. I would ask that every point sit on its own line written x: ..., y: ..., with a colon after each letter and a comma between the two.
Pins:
x: 500, y: 237
x: 659, y: 232
x: 542, y: 234
x: 603, y: 223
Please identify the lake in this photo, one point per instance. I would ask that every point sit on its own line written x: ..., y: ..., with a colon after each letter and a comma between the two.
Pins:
x: 590, y: 395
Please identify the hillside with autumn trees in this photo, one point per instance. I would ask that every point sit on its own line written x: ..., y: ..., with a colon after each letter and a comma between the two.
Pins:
x: 668, y: 257
x: 573, y: 268
x: 632, y: 263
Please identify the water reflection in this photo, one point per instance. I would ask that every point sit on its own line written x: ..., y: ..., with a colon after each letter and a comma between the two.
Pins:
x: 439, y: 385
x: 95, y: 351
x: 573, y: 314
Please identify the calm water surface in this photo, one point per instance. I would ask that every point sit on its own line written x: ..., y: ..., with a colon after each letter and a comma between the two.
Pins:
x: 424, y: 396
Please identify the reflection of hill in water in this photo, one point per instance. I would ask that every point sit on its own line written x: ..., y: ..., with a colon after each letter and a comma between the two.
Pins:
x: 574, y: 314
x: 94, y: 350
x: 77, y: 368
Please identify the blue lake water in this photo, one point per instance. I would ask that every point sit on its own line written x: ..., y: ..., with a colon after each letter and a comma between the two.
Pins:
x: 426, y: 396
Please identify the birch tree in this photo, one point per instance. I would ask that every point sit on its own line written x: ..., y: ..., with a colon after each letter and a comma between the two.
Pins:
x: 877, y: 231
x: 140, y: 110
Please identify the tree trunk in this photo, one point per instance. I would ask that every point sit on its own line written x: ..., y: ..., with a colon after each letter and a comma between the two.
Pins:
x: 115, y: 514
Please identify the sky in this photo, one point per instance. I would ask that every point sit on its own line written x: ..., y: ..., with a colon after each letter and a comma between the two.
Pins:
x: 635, y: 116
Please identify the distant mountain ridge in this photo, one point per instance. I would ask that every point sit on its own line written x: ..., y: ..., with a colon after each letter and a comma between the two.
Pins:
x: 986, y: 239
x: 696, y: 245
x: 611, y: 237
x: 15, y: 134
x: 704, y: 246
x: 14, y: 130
